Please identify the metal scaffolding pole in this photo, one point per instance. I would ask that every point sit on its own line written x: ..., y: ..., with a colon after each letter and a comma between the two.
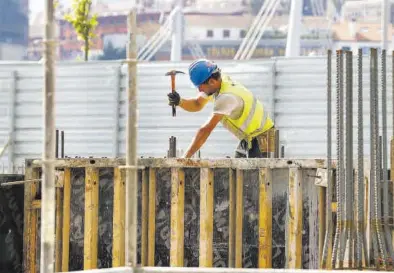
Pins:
x: 131, y: 144
x: 48, y: 175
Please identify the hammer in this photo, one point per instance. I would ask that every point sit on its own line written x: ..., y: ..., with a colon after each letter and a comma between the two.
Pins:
x: 172, y: 73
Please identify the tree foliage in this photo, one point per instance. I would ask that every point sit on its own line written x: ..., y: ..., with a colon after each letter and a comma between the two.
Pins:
x: 84, y: 22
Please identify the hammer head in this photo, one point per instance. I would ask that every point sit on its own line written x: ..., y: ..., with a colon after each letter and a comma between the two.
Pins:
x: 174, y: 72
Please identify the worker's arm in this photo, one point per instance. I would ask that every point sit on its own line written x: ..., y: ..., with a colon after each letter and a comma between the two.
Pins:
x: 202, y: 135
x: 190, y: 105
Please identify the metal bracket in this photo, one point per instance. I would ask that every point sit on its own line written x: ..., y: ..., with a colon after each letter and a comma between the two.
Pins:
x: 321, y: 178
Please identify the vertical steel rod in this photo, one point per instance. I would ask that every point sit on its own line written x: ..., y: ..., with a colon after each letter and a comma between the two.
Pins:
x: 375, y: 166
x: 385, y: 179
x: 57, y: 144
x: 349, y: 182
x: 48, y: 178
x: 339, y: 175
x: 131, y: 144
x: 380, y: 233
x: 62, y: 144
x: 360, y: 168
x: 329, y: 227
x: 342, y: 182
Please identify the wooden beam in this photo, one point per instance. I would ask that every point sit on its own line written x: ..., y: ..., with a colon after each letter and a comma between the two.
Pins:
x: 265, y: 218
x: 232, y: 218
x: 59, y: 220
x: 294, y: 220
x: 118, y: 247
x: 91, y: 218
x: 206, y: 217
x: 239, y: 220
x: 30, y: 222
x: 66, y: 219
x: 177, y: 217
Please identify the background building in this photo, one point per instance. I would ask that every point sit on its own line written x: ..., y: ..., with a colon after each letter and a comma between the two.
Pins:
x: 14, y: 29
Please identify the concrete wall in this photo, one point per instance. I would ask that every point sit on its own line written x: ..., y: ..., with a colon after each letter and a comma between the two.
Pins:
x: 250, y: 233
x: 11, y: 225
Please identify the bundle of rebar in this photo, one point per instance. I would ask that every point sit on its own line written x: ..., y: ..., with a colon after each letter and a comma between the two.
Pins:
x: 348, y: 247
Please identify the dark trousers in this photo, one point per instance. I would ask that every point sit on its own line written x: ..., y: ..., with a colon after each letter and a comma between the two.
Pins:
x: 242, y: 150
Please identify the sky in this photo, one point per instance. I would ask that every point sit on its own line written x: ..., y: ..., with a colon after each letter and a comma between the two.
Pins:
x: 38, y: 5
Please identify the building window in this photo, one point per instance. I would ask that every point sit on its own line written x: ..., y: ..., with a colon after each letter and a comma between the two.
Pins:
x: 210, y: 33
x: 226, y: 33
x: 242, y: 33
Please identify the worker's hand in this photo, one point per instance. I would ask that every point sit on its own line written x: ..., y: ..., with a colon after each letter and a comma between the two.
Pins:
x: 174, y: 98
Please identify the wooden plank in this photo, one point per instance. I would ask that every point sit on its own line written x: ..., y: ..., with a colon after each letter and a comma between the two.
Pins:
x: 66, y: 219
x: 59, y: 220
x: 239, y: 219
x: 30, y: 222
x: 177, y: 217
x: 91, y: 218
x: 322, y: 220
x: 144, y: 216
x: 392, y: 178
x: 118, y: 248
x: 152, y: 217
x: 294, y: 220
x: 232, y: 218
x: 236, y: 163
x: 265, y: 218
x: 206, y: 217
x: 35, y: 204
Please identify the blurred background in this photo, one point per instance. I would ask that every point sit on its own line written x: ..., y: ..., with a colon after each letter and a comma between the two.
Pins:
x: 213, y: 29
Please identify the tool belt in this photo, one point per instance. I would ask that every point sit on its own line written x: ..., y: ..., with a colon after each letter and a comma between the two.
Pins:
x: 266, y: 141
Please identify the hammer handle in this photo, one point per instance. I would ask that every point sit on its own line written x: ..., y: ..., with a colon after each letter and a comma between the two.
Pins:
x: 173, y: 89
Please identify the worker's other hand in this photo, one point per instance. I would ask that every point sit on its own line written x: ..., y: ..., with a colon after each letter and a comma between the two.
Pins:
x: 174, y: 98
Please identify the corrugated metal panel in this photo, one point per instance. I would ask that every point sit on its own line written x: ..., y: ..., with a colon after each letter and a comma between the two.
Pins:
x: 301, y: 105
x: 91, y: 100
x: 156, y: 122
x: 90, y: 108
x: 5, y: 89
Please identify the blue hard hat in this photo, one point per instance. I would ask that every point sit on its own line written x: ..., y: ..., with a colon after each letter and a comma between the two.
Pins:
x: 200, y: 70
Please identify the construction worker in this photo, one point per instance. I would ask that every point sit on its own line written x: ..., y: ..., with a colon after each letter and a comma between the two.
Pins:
x: 234, y: 106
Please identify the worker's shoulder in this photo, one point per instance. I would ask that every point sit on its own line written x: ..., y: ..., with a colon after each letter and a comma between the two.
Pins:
x: 230, y: 81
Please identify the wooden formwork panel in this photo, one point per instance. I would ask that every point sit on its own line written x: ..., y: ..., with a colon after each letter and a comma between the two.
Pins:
x: 228, y: 208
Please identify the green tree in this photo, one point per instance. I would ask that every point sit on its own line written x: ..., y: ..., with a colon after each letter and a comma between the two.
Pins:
x: 84, y: 22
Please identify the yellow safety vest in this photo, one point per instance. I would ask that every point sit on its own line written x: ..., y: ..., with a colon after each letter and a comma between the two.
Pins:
x: 253, y: 121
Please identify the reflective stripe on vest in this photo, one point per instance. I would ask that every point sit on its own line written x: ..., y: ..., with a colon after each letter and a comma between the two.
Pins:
x: 252, y: 111
x: 242, y: 126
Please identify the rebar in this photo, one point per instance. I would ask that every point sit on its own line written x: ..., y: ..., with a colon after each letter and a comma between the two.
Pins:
x: 329, y: 226
x: 349, y: 182
x: 375, y: 166
x: 131, y: 144
x: 360, y: 243
x: 62, y: 144
x: 385, y: 179
x: 340, y: 167
x: 342, y: 193
x: 48, y: 178
x: 57, y: 144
